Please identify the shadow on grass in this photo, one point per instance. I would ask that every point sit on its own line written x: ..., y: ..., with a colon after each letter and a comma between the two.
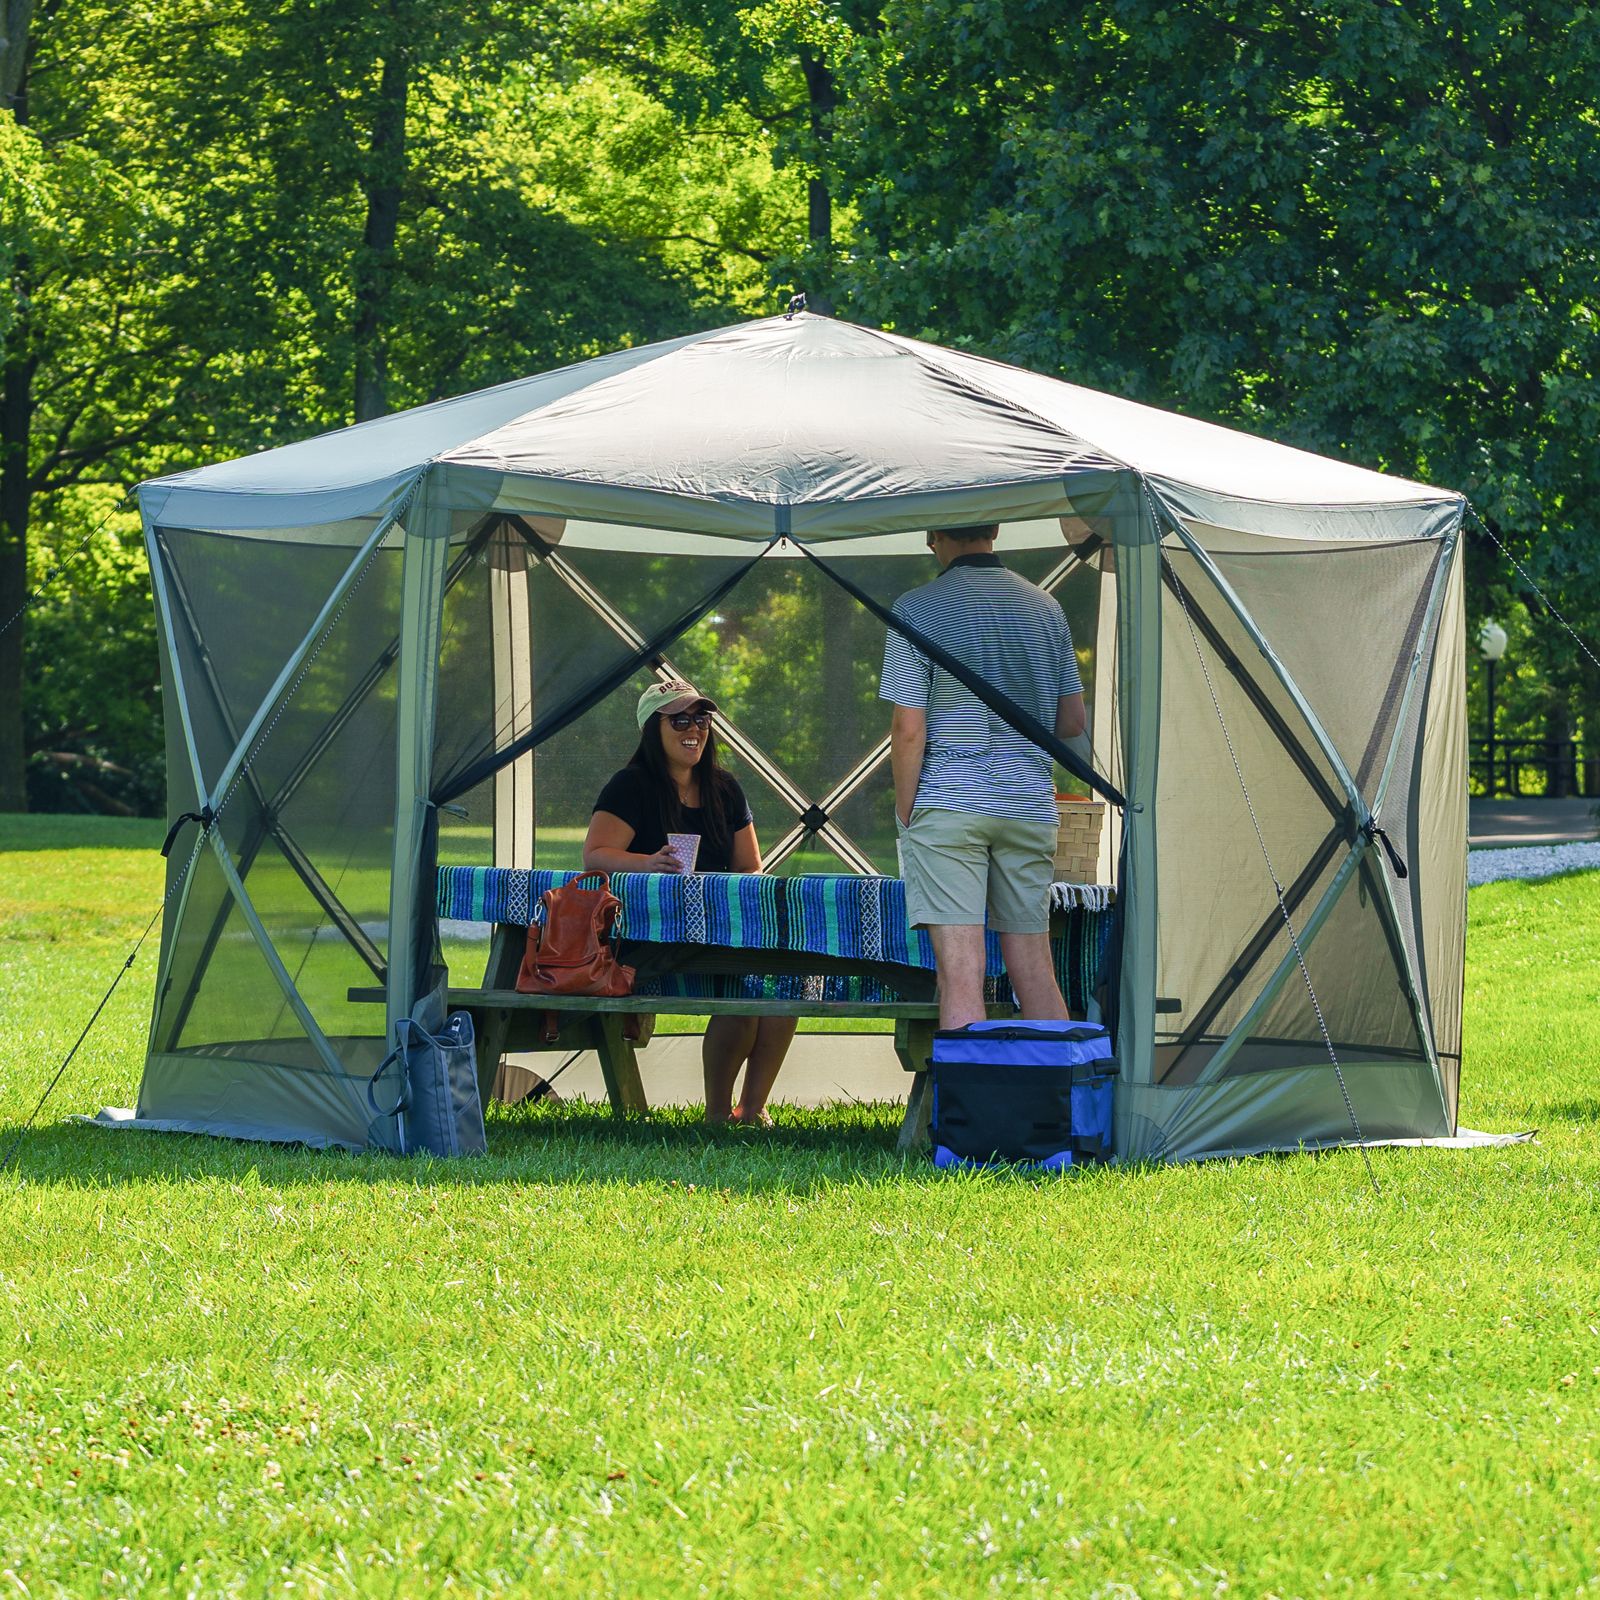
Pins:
x: 62, y: 831
x: 569, y: 1144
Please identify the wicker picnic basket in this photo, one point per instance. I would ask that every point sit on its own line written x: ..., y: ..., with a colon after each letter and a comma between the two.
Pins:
x: 1077, y: 857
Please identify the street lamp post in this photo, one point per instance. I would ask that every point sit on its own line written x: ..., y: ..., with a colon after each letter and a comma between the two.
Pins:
x: 1492, y: 644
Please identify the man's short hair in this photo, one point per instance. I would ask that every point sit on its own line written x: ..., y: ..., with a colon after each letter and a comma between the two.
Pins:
x: 971, y: 532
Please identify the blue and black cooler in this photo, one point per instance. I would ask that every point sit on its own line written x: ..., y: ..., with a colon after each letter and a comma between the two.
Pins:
x: 1033, y: 1092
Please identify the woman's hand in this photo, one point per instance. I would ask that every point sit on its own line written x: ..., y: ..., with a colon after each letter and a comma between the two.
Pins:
x: 662, y: 861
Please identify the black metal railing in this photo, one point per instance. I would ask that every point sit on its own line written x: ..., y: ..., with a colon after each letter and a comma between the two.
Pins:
x: 1546, y: 768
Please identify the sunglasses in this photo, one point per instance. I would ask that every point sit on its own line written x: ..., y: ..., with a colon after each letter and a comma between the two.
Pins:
x: 684, y: 720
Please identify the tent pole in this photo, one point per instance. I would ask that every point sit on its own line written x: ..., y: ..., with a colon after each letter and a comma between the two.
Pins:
x: 1137, y: 538
x: 427, y: 548
x: 158, y: 583
x: 513, y: 824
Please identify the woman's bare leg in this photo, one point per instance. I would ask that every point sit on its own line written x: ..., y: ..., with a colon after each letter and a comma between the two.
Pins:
x: 727, y: 1046
x: 774, y: 1035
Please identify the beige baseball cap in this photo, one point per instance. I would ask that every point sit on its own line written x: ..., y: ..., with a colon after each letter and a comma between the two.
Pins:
x: 673, y: 695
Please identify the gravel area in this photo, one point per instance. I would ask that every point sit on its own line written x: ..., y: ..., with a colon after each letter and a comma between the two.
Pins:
x: 1531, y: 861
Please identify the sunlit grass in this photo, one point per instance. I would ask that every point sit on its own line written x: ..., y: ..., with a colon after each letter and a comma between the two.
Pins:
x: 654, y: 1360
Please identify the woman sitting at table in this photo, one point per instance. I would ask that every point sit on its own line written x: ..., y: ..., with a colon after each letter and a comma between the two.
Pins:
x: 673, y: 785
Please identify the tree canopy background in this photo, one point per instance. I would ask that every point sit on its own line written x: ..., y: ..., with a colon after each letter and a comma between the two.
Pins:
x: 1366, y: 228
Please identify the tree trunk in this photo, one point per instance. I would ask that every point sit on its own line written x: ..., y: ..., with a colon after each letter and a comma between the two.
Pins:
x: 375, y: 265
x: 16, y: 427
x: 16, y: 17
x: 16, y: 417
x: 823, y: 99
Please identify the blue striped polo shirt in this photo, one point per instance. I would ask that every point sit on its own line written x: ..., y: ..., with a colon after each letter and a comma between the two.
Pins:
x: 1013, y: 635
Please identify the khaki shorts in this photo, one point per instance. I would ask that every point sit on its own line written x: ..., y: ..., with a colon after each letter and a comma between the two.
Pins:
x: 957, y: 865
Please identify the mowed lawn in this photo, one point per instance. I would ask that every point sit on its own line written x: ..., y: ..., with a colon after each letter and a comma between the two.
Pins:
x: 647, y: 1361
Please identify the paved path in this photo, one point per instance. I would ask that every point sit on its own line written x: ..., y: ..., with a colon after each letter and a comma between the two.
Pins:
x: 1501, y: 823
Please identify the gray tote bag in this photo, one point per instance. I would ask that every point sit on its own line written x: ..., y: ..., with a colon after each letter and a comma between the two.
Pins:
x: 438, y: 1093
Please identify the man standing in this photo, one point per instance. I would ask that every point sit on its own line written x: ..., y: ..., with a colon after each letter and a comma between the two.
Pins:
x: 974, y: 800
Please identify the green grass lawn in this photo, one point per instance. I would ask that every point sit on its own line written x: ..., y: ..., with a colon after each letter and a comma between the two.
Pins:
x: 651, y: 1361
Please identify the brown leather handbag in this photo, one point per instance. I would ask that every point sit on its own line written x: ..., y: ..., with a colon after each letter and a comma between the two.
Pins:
x: 573, y: 951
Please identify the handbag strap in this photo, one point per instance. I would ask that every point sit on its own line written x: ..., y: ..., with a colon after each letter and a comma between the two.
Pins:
x: 403, y: 1098
x: 601, y: 882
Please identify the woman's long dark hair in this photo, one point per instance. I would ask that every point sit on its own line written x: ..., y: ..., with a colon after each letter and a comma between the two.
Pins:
x: 715, y: 784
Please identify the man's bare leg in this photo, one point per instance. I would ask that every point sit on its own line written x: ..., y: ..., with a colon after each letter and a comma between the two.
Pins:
x: 958, y: 954
x: 1033, y: 976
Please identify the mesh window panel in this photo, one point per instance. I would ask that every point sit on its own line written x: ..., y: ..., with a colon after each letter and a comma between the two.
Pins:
x: 1219, y: 931
x: 1345, y: 624
x: 792, y: 661
x: 308, y: 821
x: 1354, y: 677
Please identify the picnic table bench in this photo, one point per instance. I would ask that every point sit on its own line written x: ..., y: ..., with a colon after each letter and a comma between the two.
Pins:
x: 724, y: 944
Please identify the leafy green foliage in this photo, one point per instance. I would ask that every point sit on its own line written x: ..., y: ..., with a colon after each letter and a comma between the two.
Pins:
x: 1366, y: 228
x: 93, y: 709
x: 25, y: 203
x: 201, y: 279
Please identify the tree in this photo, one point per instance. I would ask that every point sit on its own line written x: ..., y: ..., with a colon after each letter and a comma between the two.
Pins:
x: 774, y: 65
x: 1370, y: 229
x: 255, y: 223
x: 84, y: 371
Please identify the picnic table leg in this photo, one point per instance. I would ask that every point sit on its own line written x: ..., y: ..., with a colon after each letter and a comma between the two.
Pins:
x: 489, y: 1027
x: 913, y: 1043
x: 919, y: 1113
x: 619, y: 1065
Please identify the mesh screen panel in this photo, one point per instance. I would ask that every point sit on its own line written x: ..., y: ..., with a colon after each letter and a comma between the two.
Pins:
x: 1222, y: 937
x: 307, y: 822
x: 792, y: 661
x: 1350, y: 660
x: 1219, y: 934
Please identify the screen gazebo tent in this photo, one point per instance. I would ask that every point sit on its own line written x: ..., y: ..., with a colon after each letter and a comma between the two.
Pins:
x: 408, y: 641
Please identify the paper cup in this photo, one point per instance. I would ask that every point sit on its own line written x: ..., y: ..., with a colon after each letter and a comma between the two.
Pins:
x: 686, y: 847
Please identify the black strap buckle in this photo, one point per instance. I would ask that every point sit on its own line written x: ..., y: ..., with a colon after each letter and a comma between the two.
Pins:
x: 205, y: 816
x: 1378, y: 836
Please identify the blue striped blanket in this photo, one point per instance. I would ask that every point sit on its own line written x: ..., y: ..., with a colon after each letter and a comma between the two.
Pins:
x: 853, y: 918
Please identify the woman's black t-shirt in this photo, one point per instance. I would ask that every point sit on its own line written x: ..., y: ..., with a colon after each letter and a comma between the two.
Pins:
x: 631, y: 795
